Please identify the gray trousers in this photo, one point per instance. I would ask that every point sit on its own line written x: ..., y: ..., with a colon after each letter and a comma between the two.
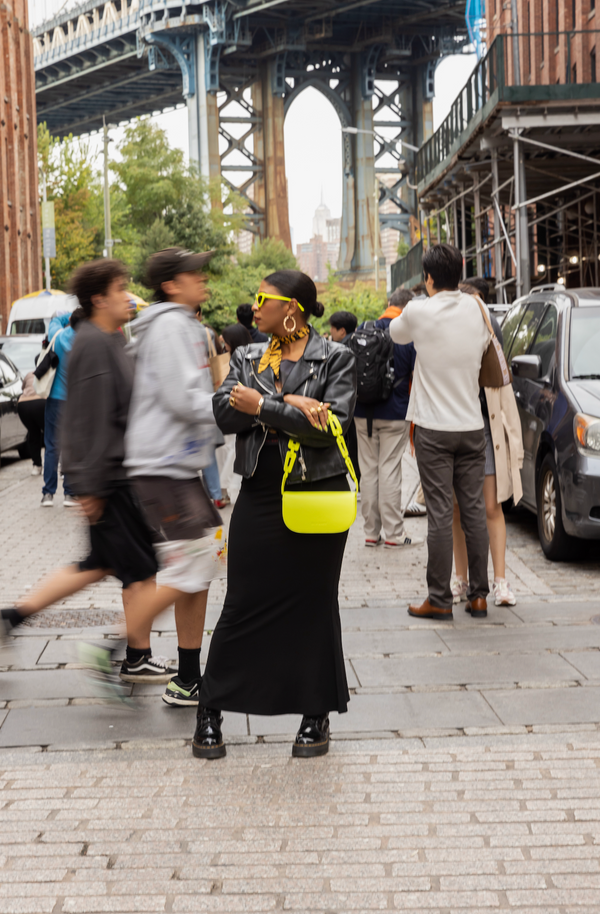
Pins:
x: 456, y: 460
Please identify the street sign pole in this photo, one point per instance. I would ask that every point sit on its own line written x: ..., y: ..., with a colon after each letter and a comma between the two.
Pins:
x: 48, y: 234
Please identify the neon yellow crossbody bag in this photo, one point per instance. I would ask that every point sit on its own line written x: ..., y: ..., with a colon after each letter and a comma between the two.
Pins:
x: 319, y: 512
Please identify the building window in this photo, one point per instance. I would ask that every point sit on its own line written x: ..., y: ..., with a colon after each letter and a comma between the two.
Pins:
x: 593, y: 78
x: 574, y: 79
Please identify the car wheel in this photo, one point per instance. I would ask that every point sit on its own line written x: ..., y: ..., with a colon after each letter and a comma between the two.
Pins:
x: 556, y: 543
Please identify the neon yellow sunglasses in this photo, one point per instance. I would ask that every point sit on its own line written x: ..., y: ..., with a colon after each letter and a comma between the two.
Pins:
x: 261, y: 297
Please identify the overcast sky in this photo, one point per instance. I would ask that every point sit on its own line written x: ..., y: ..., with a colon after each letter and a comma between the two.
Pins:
x: 313, y: 140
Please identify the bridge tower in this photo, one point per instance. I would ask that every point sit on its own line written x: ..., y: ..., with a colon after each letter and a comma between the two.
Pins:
x: 20, y: 255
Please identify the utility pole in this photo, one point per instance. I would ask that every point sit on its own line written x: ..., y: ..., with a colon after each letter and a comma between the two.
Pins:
x: 108, y: 241
x: 376, y: 234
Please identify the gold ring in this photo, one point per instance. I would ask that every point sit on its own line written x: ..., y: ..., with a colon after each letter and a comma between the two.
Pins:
x: 313, y: 410
x: 232, y: 401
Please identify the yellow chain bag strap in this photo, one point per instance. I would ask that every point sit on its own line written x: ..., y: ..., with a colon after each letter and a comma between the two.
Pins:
x: 319, y: 512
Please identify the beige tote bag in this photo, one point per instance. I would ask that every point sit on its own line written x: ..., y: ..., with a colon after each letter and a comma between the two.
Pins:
x: 218, y: 364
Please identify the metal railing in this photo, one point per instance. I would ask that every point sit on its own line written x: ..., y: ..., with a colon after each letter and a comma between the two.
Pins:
x: 525, y: 66
x: 409, y: 269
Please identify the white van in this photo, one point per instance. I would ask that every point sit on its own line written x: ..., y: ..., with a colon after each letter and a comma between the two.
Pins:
x: 32, y: 313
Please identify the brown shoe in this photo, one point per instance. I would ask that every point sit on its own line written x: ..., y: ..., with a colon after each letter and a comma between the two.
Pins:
x: 427, y: 611
x: 477, y: 608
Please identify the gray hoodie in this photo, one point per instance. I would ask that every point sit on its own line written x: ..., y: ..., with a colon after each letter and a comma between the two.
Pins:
x: 171, y: 429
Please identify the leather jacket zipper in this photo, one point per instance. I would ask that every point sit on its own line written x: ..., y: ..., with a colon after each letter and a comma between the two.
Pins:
x: 260, y: 448
x: 266, y: 430
x: 258, y: 380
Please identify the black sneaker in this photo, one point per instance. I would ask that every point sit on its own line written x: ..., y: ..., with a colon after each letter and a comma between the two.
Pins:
x: 182, y: 694
x: 208, y: 739
x: 148, y: 669
x: 312, y: 738
x: 101, y: 674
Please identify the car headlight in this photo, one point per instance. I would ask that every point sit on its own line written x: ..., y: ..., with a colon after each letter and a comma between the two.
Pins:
x: 587, y: 432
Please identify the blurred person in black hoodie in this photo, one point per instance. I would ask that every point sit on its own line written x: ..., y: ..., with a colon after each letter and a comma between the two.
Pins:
x: 101, y: 374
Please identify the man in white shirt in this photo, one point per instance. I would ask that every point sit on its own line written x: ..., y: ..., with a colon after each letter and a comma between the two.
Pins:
x: 450, y: 336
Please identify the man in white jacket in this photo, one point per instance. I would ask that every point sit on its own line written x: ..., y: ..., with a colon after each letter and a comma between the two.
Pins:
x: 170, y: 437
x: 450, y: 336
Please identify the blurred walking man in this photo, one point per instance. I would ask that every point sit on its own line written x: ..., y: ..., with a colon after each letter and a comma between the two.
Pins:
x: 170, y: 438
x: 450, y: 337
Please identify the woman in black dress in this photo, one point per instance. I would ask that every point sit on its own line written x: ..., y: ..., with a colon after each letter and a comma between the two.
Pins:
x: 277, y: 647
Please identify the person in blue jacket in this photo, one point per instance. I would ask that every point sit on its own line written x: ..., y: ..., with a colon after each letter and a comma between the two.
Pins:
x: 62, y: 331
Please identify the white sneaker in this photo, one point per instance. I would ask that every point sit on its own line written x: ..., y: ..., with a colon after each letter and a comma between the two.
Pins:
x: 503, y: 595
x: 414, y: 509
x: 458, y: 587
x: 407, y: 541
x: 36, y: 471
x: 70, y: 502
x: 47, y: 500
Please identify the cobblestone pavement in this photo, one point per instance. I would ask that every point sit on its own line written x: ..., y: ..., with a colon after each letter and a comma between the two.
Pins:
x: 412, y: 825
x: 465, y: 776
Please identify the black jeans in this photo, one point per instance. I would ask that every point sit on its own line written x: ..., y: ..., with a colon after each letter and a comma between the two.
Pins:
x: 31, y: 413
x: 456, y: 460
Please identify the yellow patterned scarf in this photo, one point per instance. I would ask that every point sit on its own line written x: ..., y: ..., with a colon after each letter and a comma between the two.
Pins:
x: 272, y: 355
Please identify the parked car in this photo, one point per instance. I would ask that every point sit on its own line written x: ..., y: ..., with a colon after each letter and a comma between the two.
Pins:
x: 552, y: 342
x: 13, y: 433
x: 22, y: 349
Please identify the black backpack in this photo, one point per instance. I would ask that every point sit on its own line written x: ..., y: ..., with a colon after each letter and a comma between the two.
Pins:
x: 373, y: 350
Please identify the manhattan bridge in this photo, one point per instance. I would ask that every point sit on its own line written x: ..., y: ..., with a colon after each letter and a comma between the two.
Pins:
x: 239, y: 65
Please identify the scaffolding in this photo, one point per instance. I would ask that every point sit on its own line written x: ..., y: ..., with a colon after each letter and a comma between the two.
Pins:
x: 512, y: 176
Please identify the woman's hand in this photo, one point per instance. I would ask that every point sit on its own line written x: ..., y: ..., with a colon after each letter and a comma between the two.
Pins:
x: 244, y: 399
x: 314, y: 410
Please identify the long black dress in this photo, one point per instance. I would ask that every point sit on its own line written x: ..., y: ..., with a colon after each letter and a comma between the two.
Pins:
x: 277, y: 647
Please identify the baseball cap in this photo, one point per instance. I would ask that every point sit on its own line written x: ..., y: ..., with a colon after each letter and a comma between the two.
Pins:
x: 165, y: 265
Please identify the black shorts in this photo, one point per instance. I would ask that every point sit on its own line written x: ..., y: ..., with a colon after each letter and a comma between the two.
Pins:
x: 121, y: 542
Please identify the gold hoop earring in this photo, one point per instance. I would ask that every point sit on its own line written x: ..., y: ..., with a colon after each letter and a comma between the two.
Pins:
x: 291, y: 318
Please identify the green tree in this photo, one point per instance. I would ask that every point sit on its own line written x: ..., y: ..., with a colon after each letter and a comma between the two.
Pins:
x: 158, y: 237
x: 152, y: 174
x: 68, y: 168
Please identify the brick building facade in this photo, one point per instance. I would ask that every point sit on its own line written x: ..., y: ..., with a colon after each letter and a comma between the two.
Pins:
x: 548, y: 55
x: 20, y: 251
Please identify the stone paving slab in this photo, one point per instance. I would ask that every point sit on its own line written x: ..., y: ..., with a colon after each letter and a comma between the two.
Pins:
x: 45, y: 684
x: 73, y: 725
x: 545, y: 706
x: 527, y: 638
x: 448, y: 669
x: 586, y: 662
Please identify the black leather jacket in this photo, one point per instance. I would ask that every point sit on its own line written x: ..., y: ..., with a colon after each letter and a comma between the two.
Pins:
x: 325, y: 371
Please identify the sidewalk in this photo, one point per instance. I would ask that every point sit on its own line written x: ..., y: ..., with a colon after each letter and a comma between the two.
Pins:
x: 465, y: 776
x: 526, y: 668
